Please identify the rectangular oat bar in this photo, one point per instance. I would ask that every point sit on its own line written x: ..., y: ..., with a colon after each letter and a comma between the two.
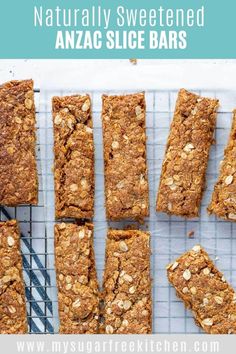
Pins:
x: 74, y: 157
x: 124, y: 139
x: 223, y: 202
x: 205, y: 291
x: 78, y: 298
x: 13, y: 316
x: 184, y: 167
x: 127, y: 283
x: 18, y: 171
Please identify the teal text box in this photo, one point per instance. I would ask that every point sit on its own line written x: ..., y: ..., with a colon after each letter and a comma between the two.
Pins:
x: 19, y: 38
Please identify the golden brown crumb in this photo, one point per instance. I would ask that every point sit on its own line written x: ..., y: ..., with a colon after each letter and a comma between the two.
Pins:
x: 133, y: 61
x: 191, y: 234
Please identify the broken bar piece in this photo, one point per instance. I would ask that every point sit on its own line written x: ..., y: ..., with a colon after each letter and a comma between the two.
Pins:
x: 124, y: 139
x: 74, y: 157
x: 13, y: 316
x: 184, y: 167
x: 78, y: 298
x: 127, y: 283
x: 205, y: 291
x: 223, y: 202
x: 18, y: 171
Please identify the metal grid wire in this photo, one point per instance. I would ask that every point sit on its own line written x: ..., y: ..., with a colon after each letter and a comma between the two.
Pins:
x: 169, y: 235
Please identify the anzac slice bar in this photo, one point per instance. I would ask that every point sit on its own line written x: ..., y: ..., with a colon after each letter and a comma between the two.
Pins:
x: 223, y: 202
x: 184, y: 167
x: 124, y: 139
x: 18, y: 172
x: 74, y: 157
x: 78, y: 298
x: 205, y: 291
x: 13, y: 316
x: 127, y: 283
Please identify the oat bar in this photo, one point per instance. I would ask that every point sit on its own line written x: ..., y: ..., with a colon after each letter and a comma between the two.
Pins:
x: 223, y: 202
x: 13, y: 317
x: 74, y: 157
x: 184, y: 167
x: 205, y: 291
x: 127, y: 283
x: 124, y: 138
x: 78, y: 298
x: 18, y: 172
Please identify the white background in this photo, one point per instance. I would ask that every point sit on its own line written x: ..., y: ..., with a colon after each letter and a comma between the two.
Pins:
x: 117, y: 74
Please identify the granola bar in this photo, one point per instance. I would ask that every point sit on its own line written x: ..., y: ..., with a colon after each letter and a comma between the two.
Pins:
x: 124, y: 137
x: 127, y: 283
x: 205, y: 291
x: 13, y: 317
x: 18, y: 171
x: 223, y: 202
x: 184, y: 167
x: 77, y: 284
x: 74, y: 157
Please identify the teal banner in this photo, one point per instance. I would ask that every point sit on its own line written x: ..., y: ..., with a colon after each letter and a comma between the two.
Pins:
x: 117, y: 29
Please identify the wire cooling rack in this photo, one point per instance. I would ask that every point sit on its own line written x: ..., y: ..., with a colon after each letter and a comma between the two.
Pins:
x: 169, y: 235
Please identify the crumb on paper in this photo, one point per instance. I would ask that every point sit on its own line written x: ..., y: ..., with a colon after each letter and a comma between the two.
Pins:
x: 191, y: 234
x: 133, y: 61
